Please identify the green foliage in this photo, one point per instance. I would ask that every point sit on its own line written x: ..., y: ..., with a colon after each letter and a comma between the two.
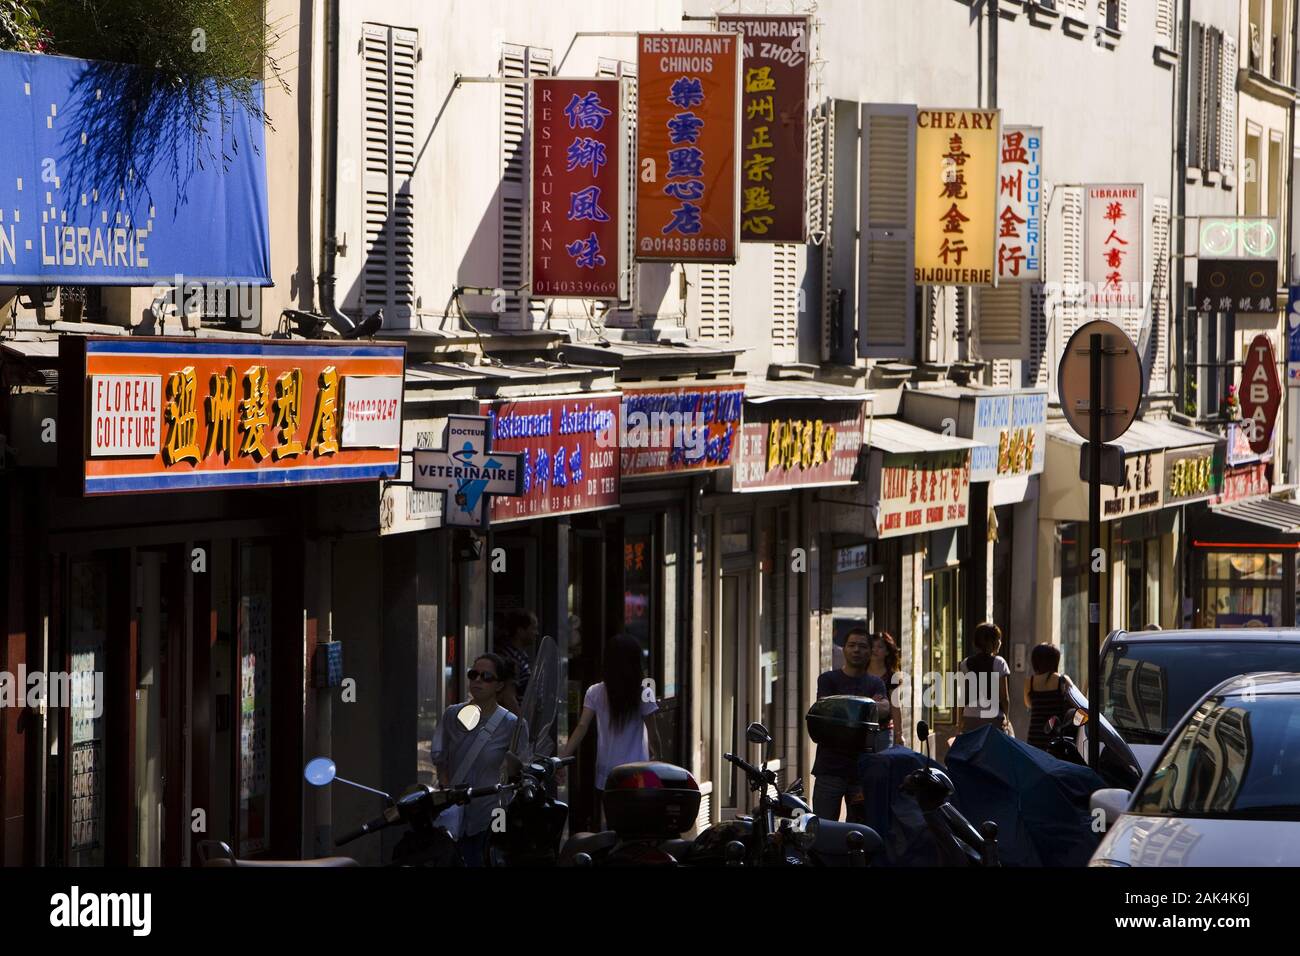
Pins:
x: 20, y: 27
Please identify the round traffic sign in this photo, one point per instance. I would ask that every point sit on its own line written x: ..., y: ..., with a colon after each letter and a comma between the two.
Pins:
x: 1121, y: 380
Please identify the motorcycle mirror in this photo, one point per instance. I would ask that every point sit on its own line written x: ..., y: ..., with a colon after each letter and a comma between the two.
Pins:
x: 469, y: 716
x: 756, y: 733
x: 922, y: 731
x: 797, y: 787
x: 320, y: 772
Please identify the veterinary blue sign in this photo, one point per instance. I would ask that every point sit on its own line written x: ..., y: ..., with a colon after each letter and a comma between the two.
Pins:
x: 1293, y: 336
x: 468, y: 471
x: 105, y: 181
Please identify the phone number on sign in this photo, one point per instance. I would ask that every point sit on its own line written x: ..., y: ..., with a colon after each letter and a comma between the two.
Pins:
x: 720, y: 246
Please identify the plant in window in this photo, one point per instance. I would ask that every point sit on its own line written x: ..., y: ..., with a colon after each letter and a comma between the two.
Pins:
x: 1231, y: 405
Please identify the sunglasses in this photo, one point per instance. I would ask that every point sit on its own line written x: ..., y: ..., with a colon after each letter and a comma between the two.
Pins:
x: 486, y: 676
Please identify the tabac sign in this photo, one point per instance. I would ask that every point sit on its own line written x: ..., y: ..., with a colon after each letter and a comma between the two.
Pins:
x: 188, y: 415
x: 468, y: 471
x: 1261, y: 393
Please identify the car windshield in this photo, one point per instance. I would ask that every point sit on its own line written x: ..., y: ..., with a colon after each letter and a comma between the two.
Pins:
x: 1234, y: 758
x: 1147, y: 686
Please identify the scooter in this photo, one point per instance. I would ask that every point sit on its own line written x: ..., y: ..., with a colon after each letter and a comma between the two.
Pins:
x: 783, y: 830
x: 959, y: 843
x: 1062, y: 743
x: 535, y: 821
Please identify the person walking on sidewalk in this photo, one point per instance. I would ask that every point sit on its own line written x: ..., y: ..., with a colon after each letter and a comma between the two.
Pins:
x: 992, y: 682
x: 836, y: 772
x: 1045, y: 693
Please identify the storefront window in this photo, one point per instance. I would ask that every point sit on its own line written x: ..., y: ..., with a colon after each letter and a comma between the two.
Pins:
x: 772, y: 630
x: 1241, y: 589
x: 1074, y: 600
x: 1138, y: 541
x: 254, y: 698
x: 88, y: 627
x: 941, y: 602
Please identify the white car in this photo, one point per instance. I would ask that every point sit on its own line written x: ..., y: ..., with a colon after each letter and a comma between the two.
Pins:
x: 1225, y: 788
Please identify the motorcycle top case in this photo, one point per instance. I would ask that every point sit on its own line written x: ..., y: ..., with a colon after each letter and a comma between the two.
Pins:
x: 653, y: 800
x: 844, y: 723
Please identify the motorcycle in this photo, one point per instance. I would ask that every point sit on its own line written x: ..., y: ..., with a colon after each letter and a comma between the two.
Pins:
x: 1063, y: 744
x: 959, y: 843
x: 535, y: 821
x: 783, y: 831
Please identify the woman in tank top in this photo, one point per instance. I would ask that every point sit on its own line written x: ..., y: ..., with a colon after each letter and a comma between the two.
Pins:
x: 1045, y: 693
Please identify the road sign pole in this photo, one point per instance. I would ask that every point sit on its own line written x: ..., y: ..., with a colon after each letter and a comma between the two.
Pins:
x: 1094, y: 538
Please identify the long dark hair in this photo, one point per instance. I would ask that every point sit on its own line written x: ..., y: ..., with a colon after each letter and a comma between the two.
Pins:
x: 891, y: 650
x: 621, y: 673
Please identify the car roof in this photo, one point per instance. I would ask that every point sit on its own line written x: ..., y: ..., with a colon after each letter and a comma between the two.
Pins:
x: 1281, y: 634
x: 1269, y: 683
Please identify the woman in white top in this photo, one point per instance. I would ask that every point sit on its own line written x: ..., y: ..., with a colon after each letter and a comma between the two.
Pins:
x: 625, y: 727
x: 992, y: 680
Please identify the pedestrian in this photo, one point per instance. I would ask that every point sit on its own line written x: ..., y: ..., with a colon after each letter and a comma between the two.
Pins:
x: 472, y: 756
x: 623, y: 714
x: 1046, y: 693
x: 837, y: 771
x: 517, y: 647
x: 884, y: 664
x: 990, y: 672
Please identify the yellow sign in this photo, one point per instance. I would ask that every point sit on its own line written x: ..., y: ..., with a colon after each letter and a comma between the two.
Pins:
x: 956, y: 196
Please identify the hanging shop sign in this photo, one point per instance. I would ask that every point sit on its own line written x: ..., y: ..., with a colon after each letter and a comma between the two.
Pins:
x: 577, y: 236
x: 799, y: 445
x: 925, y: 492
x: 688, y: 124
x: 1012, y: 432
x: 852, y: 559
x: 1020, y: 198
x: 773, y: 127
x: 677, y: 430
x: 469, y: 472
x: 1293, y: 336
x: 957, y: 153
x: 1261, y: 393
x: 1222, y: 237
x: 1190, y: 474
x: 569, y: 453
x: 1143, y: 488
x: 85, y: 205
x: 1241, y: 286
x: 1241, y: 482
x: 185, y: 414
x: 1113, y: 242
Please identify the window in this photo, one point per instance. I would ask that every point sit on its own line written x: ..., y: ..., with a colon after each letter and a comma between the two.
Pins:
x: 255, y: 625
x: 87, y: 638
x: 1239, y: 588
x: 1137, y: 541
x: 1074, y: 600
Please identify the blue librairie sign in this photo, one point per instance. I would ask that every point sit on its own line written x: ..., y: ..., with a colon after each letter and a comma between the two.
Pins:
x: 105, y: 181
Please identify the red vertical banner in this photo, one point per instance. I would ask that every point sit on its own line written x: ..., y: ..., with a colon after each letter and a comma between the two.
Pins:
x: 688, y: 183
x: 774, y: 127
x: 576, y: 239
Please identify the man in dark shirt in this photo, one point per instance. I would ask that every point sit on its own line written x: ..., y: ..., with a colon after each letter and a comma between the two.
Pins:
x: 836, y: 771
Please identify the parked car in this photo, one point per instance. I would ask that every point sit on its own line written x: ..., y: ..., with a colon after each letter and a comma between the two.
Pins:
x: 1150, y: 679
x: 1224, y: 789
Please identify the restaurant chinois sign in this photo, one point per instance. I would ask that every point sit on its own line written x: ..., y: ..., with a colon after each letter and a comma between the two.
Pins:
x: 186, y: 414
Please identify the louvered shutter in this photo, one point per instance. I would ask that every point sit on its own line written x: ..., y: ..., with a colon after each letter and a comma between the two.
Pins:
x: 627, y: 192
x: 1002, y: 373
x: 1071, y: 263
x: 1159, y: 347
x: 840, y: 249
x: 1228, y: 108
x: 817, y: 178
x: 517, y: 62
x: 1035, y: 370
x: 887, y: 301
x: 1211, y: 71
x: 1196, y: 109
x: 1165, y: 24
x: 785, y: 297
x: 715, y: 302
x: 1003, y: 322
x: 388, y: 165
x: 1077, y: 8
x: 1123, y: 16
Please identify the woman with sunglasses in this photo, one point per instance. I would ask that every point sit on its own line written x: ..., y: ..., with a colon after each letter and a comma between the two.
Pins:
x: 472, y: 756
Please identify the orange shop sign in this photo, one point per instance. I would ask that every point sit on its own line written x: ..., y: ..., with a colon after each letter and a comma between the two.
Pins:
x: 187, y: 415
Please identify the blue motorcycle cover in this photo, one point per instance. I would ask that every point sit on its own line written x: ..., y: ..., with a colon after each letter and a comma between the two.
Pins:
x: 894, y: 815
x: 1039, y: 803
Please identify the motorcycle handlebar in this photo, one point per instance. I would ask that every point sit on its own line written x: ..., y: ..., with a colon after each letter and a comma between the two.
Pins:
x: 750, y: 770
x: 378, y: 823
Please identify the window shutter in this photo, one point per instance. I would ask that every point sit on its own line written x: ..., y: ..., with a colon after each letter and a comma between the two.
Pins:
x: 1211, y: 73
x: 1123, y: 16
x: 817, y: 178
x: 1228, y: 108
x: 627, y: 192
x: 1003, y: 322
x: 517, y: 62
x: 1070, y: 268
x: 388, y: 161
x: 1002, y: 373
x: 1195, y: 109
x: 715, y: 302
x: 785, y: 296
x: 839, y: 300
x: 1035, y: 370
x: 1165, y: 24
x: 886, y: 288
x: 1078, y: 8
x: 1159, y: 348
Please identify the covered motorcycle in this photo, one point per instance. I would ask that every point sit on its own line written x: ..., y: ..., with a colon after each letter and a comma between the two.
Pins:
x: 1039, y: 803
x: 894, y: 815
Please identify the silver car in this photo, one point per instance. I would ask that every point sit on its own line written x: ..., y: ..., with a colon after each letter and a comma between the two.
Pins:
x: 1224, y: 789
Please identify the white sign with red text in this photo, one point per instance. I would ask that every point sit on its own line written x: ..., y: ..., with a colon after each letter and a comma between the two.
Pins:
x: 125, y: 415
x: 1113, y: 253
x: 372, y: 411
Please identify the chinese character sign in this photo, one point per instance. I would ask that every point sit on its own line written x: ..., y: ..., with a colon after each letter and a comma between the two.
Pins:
x: 688, y: 175
x: 569, y: 455
x: 799, y: 444
x: 957, y: 153
x: 164, y: 415
x: 923, y: 492
x: 1113, y: 238
x: 675, y: 430
x: 773, y: 126
x: 1020, y: 197
x: 576, y: 237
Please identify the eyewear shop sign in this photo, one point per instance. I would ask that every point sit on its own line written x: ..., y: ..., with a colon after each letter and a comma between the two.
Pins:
x: 923, y: 492
x: 569, y: 454
x: 1011, y: 430
x: 799, y: 445
x: 674, y: 430
x: 72, y: 212
x: 169, y: 415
